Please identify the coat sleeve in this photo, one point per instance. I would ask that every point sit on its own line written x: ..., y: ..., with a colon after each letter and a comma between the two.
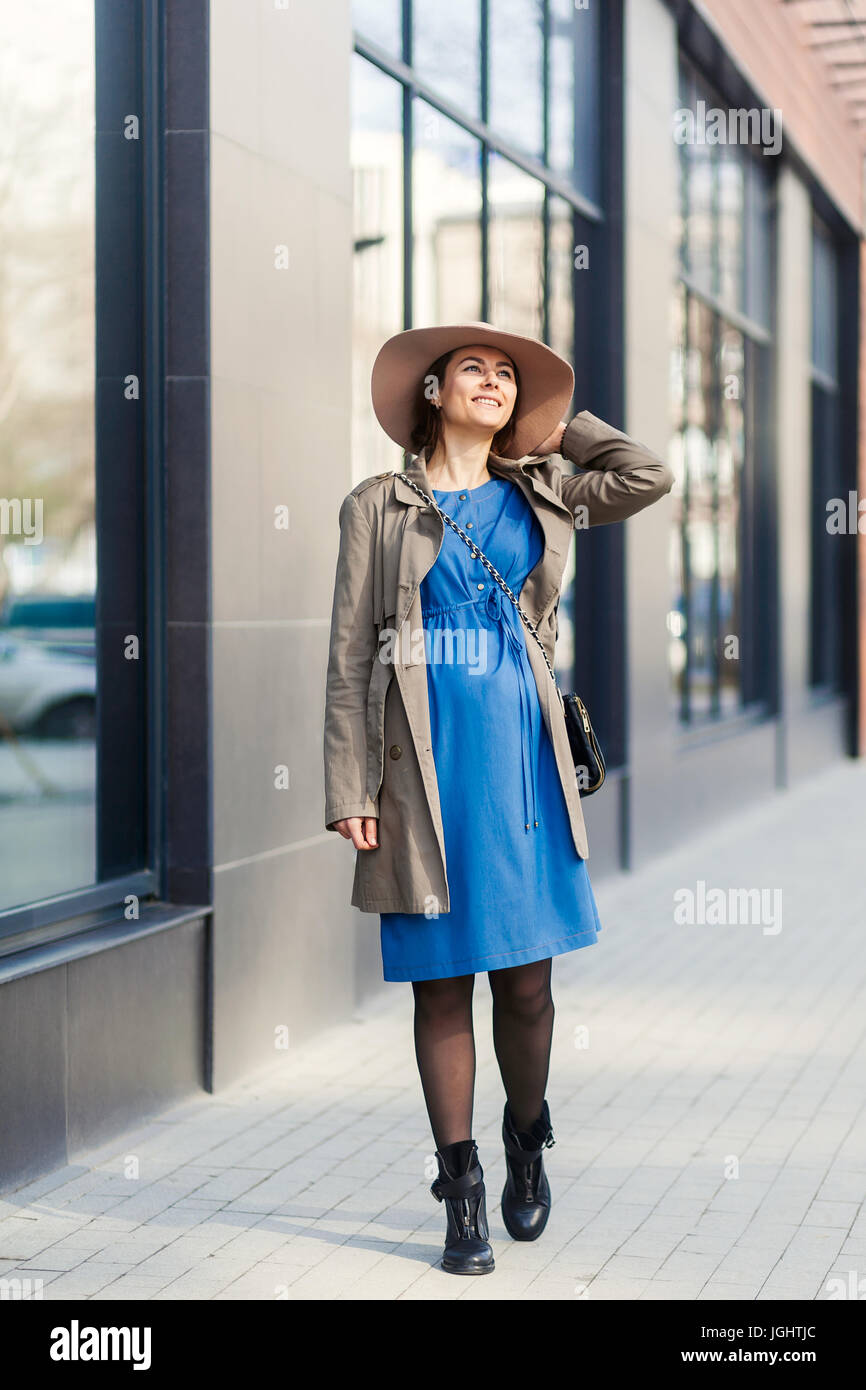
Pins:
x: 352, y: 650
x: 622, y: 476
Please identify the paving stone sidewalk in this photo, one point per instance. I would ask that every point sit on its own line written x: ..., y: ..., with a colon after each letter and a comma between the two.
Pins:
x: 707, y: 1095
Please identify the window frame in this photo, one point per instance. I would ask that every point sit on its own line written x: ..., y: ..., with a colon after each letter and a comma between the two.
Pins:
x: 756, y: 536
x: 826, y: 396
x: 129, y: 76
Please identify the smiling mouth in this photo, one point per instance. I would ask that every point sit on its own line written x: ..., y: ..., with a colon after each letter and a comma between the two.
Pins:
x: 487, y: 400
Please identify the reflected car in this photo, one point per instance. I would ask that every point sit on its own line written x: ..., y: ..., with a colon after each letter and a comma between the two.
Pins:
x: 66, y: 622
x: 48, y: 666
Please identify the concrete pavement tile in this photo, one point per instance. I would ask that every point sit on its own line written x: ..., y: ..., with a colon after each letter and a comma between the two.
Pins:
x: 823, y: 1213
x: 615, y: 1287
x: 638, y: 1267
x: 718, y: 1289
x: 681, y: 1265
x: 673, y: 1290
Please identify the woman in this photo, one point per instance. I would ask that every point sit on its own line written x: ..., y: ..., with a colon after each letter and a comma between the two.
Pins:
x: 470, y: 835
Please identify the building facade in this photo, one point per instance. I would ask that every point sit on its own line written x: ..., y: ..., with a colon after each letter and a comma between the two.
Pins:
x: 213, y: 215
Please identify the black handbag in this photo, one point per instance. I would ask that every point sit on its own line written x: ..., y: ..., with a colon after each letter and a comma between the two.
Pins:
x: 585, y: 749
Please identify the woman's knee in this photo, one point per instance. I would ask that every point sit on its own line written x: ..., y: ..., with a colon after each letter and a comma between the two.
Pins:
x: 443, y: 998
x: 523, y: 991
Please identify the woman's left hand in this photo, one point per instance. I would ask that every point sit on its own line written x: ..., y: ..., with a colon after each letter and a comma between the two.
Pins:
x: 552, y: 443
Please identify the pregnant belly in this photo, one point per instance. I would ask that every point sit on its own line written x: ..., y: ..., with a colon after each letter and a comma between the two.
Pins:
x: 485, y: 722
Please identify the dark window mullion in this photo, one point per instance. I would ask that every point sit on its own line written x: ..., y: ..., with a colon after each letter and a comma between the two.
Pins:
x: 408, y: 159
x: 545, y: 155
x: 484, y: 48
x: 686, y: 686
x: 408, y: 155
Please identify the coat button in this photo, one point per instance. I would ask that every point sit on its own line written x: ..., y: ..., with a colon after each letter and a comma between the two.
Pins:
x: 463, y: 497
x: 469, y: 525
x: 481, y: 586
x: 395, y: 750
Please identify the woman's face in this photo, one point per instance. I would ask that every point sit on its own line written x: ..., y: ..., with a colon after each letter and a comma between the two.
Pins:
x: 480, y: 389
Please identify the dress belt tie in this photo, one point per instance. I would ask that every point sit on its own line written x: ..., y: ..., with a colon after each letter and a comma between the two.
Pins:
x: 497, y: 610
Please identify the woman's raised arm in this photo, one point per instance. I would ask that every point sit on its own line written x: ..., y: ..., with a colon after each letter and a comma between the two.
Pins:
x: 622, y: 475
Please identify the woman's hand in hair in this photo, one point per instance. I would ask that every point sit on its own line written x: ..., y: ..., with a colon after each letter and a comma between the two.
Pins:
x: 363, y: 831
x: 553, y: 441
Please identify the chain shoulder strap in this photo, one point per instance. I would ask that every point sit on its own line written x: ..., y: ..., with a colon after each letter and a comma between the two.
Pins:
x: 478, y: 553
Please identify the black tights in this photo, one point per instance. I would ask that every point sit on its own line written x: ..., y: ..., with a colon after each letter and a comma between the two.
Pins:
x: 445, y: 1045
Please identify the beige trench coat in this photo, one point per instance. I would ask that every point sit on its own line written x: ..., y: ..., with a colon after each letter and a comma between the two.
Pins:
x: 377, y: 741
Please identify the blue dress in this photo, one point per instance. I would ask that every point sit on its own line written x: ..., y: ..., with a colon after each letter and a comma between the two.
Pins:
x: 519, y: 891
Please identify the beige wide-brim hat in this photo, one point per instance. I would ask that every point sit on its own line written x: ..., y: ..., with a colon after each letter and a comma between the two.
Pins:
x: 545, y: 391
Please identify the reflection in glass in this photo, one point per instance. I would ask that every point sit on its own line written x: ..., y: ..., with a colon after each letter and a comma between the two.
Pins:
x: 825, y: 298
x: 726, y: 233
x: 730, y: 456
x: 730, y: 173
x: 701, y: 238
x: 380, y: 22
x: 516, y: 264
x: 446, y: 50
x: 723, y: 227
x: 827, y: 558
x: 705, y: 621
x: 377, y: 183
x: 47, y: 531
x: 446, y: 209
x: 516, y: 85
x: 757, y: 292
x: 574, y: 97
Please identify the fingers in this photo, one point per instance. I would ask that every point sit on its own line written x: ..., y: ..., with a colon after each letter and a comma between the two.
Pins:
x: 361, y: 830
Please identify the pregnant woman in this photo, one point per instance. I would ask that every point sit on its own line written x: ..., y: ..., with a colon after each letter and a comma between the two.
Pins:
x: 447, y: 761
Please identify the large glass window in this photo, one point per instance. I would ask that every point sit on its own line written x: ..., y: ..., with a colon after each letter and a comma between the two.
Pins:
x: 516, y: 258
x: 377, y: 176
x: 516, y: 49
x: 74, y: 650
x: 446, y: 50
x: 379, y: 21
x: 720, y: 347
x: 462, y: 205
x: 446, y: 219
x: 827, y: 552
x: 574, y: 74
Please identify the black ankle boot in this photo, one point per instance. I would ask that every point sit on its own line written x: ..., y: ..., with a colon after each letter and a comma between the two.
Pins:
x: 461, y: 1186
x: 526, y: 1196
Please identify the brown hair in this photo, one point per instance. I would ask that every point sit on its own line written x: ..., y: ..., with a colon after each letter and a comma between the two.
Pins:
x: 427, y: 430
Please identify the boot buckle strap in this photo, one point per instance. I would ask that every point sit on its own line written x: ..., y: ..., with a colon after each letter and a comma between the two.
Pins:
x: 526, y: 1156
x: 458, y: 1187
